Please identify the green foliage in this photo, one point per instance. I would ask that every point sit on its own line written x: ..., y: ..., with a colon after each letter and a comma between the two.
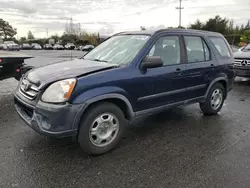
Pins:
x: 233, y: 33
x: 23, y: 40
x: 6, y: 30
x: 68, y: 38
x: 246, y: 36
x: 143, y: 28
x: 55, y: 37
x: 30, y: 35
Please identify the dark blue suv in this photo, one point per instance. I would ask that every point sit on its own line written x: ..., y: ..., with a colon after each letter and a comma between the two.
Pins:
x: 129, y: 75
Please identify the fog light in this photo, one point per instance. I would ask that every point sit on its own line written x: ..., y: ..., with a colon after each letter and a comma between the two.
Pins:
x: 45, y: 123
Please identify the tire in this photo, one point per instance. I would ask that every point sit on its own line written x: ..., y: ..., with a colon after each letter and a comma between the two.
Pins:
x: 89, y: 140
x: 210, y: 107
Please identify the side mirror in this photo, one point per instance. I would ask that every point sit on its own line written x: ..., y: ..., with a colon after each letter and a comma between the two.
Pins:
x: 151, y: 62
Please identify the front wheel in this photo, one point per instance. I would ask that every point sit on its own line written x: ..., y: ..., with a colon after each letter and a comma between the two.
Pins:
x: 101, y: 128
x: 214, y: 101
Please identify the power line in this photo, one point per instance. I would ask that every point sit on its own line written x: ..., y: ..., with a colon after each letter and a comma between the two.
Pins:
x: 218, y: 6
x: 222, y: 11
x: 180, y: 9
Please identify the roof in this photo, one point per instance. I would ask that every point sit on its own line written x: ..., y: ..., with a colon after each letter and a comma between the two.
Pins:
x: 152, y: 32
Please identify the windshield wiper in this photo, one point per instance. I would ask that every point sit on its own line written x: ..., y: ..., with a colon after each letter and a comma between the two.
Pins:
x: 100, y: 60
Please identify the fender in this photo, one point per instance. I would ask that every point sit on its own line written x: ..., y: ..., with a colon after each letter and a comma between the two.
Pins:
x: 90, y: 101
x: 214, y: 81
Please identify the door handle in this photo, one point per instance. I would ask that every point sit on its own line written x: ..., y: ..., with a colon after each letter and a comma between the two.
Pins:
x: 212, y: 65
x: 178, y: 71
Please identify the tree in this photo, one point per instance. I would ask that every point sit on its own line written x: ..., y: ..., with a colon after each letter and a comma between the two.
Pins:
x: 143, y: 28
x: 6, y: 30
x: 217, y: 24
x: 247, y: 27
x: 23, y: 39
x: 55, y: 37
x: 30, y: 35
x: 197, y: 25
x: 245, y: 37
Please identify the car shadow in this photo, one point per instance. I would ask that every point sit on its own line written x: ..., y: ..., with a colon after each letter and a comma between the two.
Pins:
x: 169, y: 136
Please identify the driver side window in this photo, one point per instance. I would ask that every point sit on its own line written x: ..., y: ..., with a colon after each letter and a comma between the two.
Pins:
x: 168, y: 48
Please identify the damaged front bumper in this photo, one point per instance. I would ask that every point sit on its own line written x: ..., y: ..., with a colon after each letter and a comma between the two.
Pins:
x: 56, y: 120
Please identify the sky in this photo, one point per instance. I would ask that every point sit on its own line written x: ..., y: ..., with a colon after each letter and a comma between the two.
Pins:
x: 111, y: 16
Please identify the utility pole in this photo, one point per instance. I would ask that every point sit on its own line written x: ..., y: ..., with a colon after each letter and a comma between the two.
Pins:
x: 47, y: 32
x: 180, y: 8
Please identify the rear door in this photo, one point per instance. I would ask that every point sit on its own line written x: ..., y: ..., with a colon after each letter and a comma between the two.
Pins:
x: 200, y: 67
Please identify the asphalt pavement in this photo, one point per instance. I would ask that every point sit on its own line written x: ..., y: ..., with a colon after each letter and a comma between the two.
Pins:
x: 177, y: 148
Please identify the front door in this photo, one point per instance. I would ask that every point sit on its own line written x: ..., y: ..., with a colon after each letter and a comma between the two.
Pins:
x: 165, y: 85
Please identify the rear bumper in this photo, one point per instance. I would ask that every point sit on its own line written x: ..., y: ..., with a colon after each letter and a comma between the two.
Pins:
x: 49, y: 119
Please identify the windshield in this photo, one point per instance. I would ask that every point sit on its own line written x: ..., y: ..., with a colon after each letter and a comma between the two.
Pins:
x: 247, y: 48
x: 118, y: 49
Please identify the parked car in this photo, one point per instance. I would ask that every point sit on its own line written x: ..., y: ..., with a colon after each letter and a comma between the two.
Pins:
x: 12, y: 65
x: 235, y: 48
x: 26, y: 46
x: 79, y: 48
x: 11, y: 46
x: 129, y: 75
x: 36, y: 46
x: 58, y: 47
x: 48, y: 47
x: 88, y: 48
x: 241, y: 48
x: 242, y: 62
x: 70, y: 46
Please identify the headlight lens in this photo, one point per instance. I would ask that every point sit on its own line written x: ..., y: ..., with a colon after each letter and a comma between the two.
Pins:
x: 59, y: 91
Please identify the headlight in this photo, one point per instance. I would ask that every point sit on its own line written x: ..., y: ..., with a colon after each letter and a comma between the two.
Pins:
x: 59, y: 91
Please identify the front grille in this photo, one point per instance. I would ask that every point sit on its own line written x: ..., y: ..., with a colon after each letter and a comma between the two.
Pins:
x: 27, y: 89
x: 240, y: 62
x: 24, y: 109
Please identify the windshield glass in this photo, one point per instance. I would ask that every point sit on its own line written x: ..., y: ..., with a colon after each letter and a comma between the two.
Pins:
x: 247, y: 48
x: 118, y: 49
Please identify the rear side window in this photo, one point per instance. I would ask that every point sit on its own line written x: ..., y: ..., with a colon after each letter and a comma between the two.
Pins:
x: 221, y: 46
x: 197, y: 49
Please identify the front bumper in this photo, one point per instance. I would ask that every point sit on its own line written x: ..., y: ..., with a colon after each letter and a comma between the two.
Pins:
x: 49, y: 119
x: 242, y: 72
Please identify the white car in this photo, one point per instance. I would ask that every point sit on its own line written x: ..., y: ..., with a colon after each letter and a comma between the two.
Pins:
x: 36, y: 46
x: 58, y: 47
x: 11, y: 45
x: 70, y: 46
x: 88, y: 48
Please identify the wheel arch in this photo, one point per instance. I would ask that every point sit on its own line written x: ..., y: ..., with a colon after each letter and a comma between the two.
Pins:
x: 221, y: 80
x: 121, y: 101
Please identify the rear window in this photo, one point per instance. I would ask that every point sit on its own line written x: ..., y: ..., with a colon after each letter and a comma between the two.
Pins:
x: 221, y: 46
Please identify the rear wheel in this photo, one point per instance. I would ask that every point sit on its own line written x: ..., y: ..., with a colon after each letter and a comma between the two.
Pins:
x: 101, y: 128
x: 214, y: 101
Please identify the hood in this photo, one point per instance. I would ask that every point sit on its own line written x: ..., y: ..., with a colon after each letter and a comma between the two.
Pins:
x: 242, y: 54
x: 67, y: 69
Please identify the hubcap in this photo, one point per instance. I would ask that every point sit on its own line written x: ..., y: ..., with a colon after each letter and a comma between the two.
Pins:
x: 216, y: 99
x: 104, y: 129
